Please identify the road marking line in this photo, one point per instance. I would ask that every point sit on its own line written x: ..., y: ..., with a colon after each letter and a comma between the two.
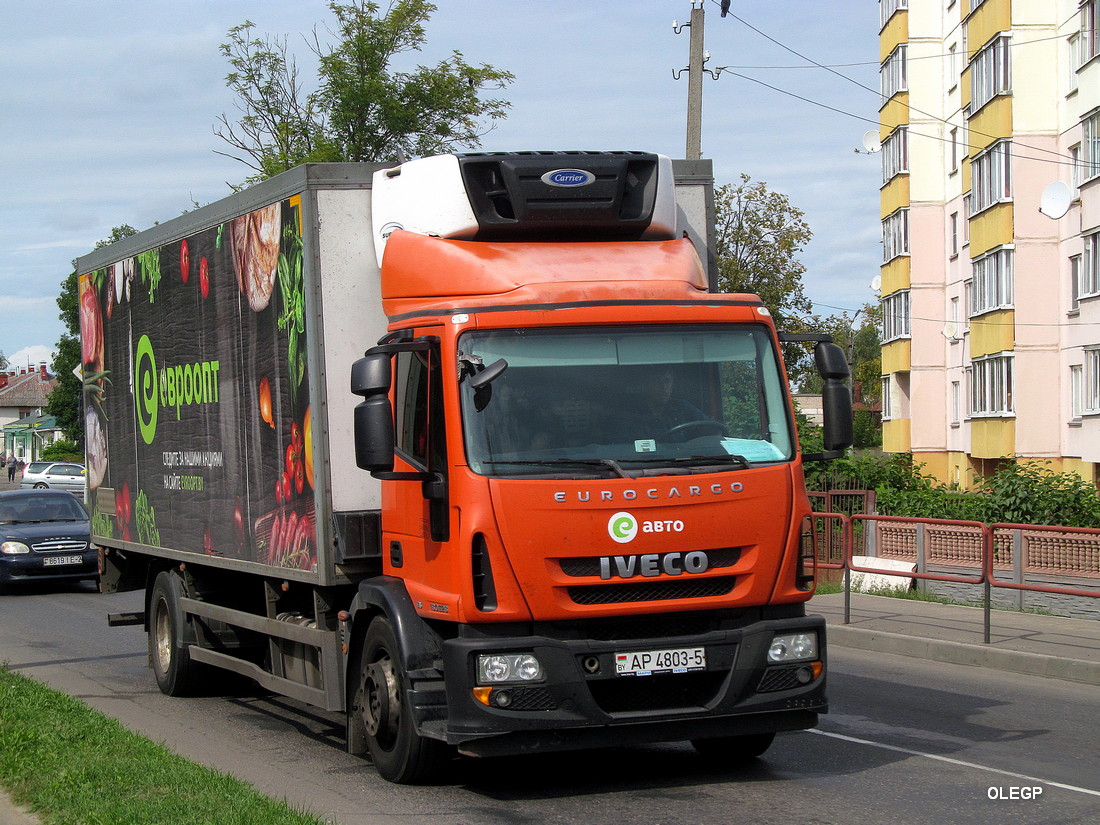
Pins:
x: 951, y: 761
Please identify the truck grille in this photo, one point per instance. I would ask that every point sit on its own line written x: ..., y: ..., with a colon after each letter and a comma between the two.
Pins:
x: 652, y: 591
x: 647, y: 693
x: 581, y: 566
x: 60, y: 546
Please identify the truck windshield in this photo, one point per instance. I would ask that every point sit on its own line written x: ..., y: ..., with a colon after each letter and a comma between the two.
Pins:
x: 623, y: 401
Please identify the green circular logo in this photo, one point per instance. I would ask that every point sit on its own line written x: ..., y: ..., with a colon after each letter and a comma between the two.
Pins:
x: 145, y: 389
x: 622, y: 527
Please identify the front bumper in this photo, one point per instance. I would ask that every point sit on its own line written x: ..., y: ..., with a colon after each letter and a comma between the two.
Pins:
x: 31, y: 567
x: 738, y: 694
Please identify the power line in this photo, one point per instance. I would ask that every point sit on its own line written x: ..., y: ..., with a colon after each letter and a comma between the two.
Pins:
x: 1067, y: 160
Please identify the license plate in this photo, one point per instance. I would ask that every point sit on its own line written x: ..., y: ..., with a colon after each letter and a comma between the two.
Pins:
x: 57, y: 561
x: 650, y: 662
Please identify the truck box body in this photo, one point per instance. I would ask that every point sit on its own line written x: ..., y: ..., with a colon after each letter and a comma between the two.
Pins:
x: 569, y: 497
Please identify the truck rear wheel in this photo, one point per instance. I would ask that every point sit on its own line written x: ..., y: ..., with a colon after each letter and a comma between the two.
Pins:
x: 176, y: 673
x: 399, y: 753
x: 733, y: 750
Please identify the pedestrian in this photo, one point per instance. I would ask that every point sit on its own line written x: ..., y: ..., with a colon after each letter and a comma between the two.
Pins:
x: 12, y: 464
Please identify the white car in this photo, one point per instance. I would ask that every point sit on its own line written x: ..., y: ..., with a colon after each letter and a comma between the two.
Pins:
x: 58, y: 475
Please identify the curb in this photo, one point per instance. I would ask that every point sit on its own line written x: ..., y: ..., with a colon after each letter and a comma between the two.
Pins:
x: 959, y: 653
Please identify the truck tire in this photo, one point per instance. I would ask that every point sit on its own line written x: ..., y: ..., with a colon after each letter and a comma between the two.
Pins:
x: 176, y: 673
x: 733, y: 750
x: 398, y: 752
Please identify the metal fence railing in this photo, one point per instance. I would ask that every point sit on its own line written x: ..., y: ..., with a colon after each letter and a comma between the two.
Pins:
x: 1000, y: 555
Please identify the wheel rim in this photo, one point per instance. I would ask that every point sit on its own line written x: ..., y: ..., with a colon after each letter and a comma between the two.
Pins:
x: 382, y: 705
x: 162, y: 637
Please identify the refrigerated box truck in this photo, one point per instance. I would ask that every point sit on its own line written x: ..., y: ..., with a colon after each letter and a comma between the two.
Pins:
x: 466, y: 449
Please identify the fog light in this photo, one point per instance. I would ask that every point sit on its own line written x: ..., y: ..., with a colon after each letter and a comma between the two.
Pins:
x: 793, y: 647
x: 494, y: 668
x: 502, y: 698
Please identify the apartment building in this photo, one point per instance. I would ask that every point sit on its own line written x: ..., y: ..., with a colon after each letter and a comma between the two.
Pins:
x: 990, y: 281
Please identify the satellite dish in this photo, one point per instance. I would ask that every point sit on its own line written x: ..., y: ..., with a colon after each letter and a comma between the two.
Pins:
x: 871, y: 143
x: 876, y: 283
x: 951, y: 331
x: 1055, y: 200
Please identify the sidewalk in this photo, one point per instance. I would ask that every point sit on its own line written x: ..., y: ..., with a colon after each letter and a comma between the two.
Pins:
x: 1051, y: 646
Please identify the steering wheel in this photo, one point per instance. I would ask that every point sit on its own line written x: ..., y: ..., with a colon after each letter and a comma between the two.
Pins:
x: 706, y: 426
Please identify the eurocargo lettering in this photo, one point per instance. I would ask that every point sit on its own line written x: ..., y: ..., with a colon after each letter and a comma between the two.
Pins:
x: 466, y: 449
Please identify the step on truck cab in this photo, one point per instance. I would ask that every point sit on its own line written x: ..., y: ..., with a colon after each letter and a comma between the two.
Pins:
x: 562, y: 505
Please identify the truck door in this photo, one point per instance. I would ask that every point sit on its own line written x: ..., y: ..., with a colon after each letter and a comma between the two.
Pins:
x: 416, y: 518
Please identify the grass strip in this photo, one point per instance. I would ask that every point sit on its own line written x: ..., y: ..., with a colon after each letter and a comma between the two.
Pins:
x: 72, y: 765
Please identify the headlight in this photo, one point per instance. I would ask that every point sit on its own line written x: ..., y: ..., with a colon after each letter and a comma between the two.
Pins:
x: 508, y: 667
x: 793, y: 647
x: 14, y: 548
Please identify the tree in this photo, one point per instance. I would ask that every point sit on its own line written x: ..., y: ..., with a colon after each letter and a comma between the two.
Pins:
x: 362, y: 109
x: 65, y: 401
x: 758, y: 235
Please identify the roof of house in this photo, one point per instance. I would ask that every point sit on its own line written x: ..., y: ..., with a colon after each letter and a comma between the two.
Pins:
x: 27, y: 389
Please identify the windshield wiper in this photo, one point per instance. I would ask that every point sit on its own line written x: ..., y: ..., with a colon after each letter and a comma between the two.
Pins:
x: 694, y: 460
x: 558, y: 462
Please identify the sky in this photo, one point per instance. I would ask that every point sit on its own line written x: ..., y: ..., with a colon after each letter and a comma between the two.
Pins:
x: 108, y: 113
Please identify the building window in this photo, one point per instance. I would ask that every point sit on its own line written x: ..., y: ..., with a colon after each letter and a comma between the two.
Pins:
x: 954, y: 141
x: 991, y: 286
x: 953, y: 233
x: 956, y: 402
x: 1088, y: 269
x: 887, y: 8
x: 895, y: 316
x: 895, y: 234
x: 892, y: 74
x: 967, y: 211
x: 1091, y: 396
x: 1076, y: 391
x: 1090, y: 38
x: 954, y: 66
x: 1074, y: 283
x: 992, y: 181
x: 990, y: 74
x: 1089, y: 162
x: 991, y: 386
x: 887, y: 400
x: 895, y: 153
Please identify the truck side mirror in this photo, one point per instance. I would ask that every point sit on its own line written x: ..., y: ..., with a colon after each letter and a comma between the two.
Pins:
x: 373, y: 416
x: 836, y: 398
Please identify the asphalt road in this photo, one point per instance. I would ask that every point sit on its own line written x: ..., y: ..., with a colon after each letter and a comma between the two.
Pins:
x: 906, y: 741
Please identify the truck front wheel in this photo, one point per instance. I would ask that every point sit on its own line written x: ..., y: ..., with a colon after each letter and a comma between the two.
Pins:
x: 399, y: 753
x: 176, y: 674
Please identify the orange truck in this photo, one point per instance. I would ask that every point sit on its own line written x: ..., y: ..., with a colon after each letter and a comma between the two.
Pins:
x: 466, y: 449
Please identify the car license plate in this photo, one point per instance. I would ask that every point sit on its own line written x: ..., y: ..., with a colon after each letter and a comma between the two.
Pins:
x: 650, y: 662
x: 57, y: 561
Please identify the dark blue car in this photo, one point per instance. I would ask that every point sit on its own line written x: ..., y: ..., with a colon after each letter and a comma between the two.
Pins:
x: 45, y: 535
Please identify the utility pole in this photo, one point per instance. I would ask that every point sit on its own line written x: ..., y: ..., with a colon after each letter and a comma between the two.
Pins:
x: 694, y: 149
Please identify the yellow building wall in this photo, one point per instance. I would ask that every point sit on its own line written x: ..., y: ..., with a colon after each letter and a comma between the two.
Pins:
x: 992, y: 332
x: 894, y: 32
x: 894, y: 113
x: 986, y: 21
x: 897, y: 356
x: 896, y: 274
x: 992, y: 227
x: 992, y: 437
x: 990, y: 123
x: 896, y: 436
x: 894, y: 194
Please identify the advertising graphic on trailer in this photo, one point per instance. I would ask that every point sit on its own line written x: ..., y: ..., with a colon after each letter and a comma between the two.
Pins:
x: 195, y: 375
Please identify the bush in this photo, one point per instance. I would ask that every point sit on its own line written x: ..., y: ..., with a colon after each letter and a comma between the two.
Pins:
x: 62, y: 451
x: 1028, y: 493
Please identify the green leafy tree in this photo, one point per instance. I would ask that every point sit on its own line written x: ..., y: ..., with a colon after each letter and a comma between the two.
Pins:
x: 65, y: 400
x: 759, y: 235
x: 362, y: 109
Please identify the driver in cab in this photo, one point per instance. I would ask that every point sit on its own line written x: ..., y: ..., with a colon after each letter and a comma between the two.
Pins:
x: 654, y: 412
